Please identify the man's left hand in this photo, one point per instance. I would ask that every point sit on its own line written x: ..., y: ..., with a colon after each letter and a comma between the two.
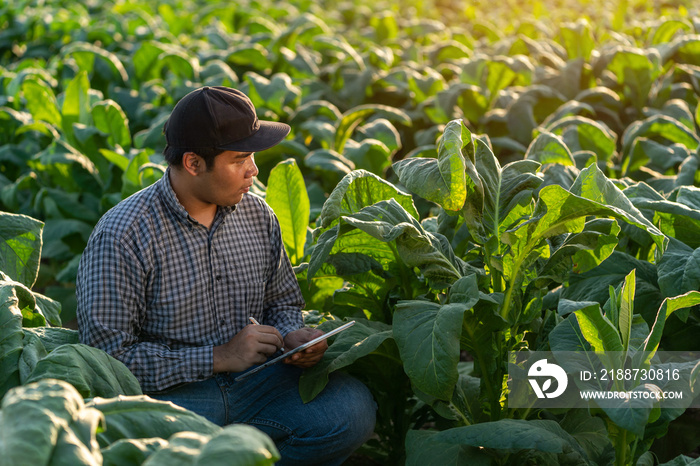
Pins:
x: 310, y: 356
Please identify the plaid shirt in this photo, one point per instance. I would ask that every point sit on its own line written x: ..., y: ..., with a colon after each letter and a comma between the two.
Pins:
x: 158, y: 290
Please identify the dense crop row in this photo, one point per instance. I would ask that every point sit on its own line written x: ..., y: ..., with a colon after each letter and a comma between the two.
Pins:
x: 461, y: 184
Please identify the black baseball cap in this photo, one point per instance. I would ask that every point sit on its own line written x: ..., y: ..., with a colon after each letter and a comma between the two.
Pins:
x: 222, y: 118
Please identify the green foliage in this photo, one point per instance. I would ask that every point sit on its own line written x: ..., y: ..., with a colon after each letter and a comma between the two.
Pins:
x: 20, y: 247
x: 528, y: 239
x: 287, y: 196
x: 49, y: 422
x: 463, y: 180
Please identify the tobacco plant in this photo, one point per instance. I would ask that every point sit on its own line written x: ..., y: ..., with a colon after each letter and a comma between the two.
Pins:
x: 482, y: 276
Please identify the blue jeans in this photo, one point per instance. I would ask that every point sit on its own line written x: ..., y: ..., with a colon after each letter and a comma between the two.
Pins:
x: 324, y: 431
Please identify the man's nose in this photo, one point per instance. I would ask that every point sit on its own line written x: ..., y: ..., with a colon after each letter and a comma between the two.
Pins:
x: 252, y: 169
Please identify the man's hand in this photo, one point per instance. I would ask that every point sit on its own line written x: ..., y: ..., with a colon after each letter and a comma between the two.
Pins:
x: 252, y: 345
x: 310, y: 356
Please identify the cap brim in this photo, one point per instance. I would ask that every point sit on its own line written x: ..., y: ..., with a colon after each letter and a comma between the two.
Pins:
x: 270, y: 134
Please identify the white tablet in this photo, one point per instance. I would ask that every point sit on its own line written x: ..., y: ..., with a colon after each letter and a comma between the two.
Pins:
x: 301, y: 347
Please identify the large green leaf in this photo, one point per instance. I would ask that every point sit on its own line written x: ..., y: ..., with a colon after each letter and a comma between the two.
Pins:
x: 594, y: 285
x: 53, y: 337
x: 625, y: 316
x: 678, y: 217
x: 594, y: 185
x: 636, y: 71
x: 62, y: 166
x: 583, y: 134
x: 360, y: 189
x: 33, y: 351
x: 549, y: 148
x: 338, y: 44
x: 76, y: 104
x: 665, y: 31
x: 318, y: 291
x: 315, y: 110
x: 440, y: 180
x: 507, y: 193
x: 365, y: 290
x: 577, y: 39
x: 369, y: 154
x: 11, y: 337
x: 428, y: 335
x: 559, y: 211
x: 581, y: 252
x: 459, y: 98
x: 688, y: 196
x: 41, y: 102
x: 36, y: 309
x: 632, y: 414
x: 131, y: 451
x: 240, y: 443
x: 131, y: 178
x: 586, y: 330
x: 531, y: 106
x: 248, y: 54
x: 382, y: 130
x: 277, y: 94
x: 286, y: 194
x: 685, y: 49
x: 428, y: 447
x: 669, y: 306
x: 498, y: 438
x: 349, y: 240
x: 47, y: 423
x: 356, y: 115
x: 679, y: 269
x: 143, y: 417
x: 388, y: 221
x: 153, y: 59
x: 590, y: 432
x: 329, y: 165
x: 653, y: 155
x: 661, y: 128
x: 20, y: 247
x: 89, y: 55
x: 90, y: 370
x: 109, y: 118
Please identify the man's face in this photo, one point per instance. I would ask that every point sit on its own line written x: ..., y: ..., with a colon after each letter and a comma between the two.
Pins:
x: 230, y: 177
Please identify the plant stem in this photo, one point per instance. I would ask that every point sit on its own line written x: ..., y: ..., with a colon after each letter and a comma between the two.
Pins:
x: 456, y: 410
x: 633, y: 450
x: 620, y: 447
x: 496, y: 275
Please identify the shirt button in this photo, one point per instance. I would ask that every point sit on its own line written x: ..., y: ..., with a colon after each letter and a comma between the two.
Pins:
x: 218, y: 278
x: 222, y: 322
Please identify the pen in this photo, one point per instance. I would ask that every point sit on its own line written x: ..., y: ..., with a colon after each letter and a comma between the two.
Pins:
x: 255, y: 322
x: 252, y: 319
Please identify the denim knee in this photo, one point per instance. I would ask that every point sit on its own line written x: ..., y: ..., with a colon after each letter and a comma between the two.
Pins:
x: 361, y: 415
x: 338, y: 422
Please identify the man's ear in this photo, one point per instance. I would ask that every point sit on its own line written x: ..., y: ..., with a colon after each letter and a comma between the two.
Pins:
x: 193, y: 163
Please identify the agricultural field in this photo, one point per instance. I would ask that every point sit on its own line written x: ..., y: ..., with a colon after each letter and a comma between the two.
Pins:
x: 464, y: 179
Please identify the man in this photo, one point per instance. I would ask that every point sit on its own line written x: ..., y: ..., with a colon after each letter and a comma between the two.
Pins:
x: 171, y: 276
